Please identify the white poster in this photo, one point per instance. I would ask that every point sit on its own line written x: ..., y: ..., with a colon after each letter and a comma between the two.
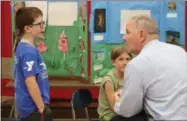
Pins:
x: 98, y: 38
x: 62, y: 13
x: 127, y: 14
x: 42, y: 5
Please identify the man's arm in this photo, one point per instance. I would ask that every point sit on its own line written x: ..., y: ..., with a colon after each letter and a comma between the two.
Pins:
x: 131, y: 98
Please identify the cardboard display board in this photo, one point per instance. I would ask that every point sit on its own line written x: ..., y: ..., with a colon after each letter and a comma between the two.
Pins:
x: 64, y: 49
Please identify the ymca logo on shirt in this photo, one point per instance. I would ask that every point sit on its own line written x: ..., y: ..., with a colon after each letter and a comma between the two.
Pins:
x: 29, y: 65
x: 43, y: 74
x: 43, y: 66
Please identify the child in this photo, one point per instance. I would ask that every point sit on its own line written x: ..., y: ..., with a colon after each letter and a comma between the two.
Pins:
x: 112, y: 82
x: 30, y: 72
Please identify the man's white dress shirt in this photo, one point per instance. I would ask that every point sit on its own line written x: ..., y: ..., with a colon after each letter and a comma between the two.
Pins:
x: 156, y: 79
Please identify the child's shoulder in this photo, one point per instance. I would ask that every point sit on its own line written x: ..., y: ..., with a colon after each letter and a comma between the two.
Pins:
x: 108, y: 77
x: 24, y: 48
x: 109, y: 74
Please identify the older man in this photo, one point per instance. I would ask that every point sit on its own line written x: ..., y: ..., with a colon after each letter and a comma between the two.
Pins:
x: 156, y: 79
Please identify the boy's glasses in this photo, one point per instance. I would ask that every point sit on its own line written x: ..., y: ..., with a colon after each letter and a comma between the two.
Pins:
x: 41, y: 24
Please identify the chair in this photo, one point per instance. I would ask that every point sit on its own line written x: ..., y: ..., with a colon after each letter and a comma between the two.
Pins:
x: 6, y: 100
x: 80, y: 100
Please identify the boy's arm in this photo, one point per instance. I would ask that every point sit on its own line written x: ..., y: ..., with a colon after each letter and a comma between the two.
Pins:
x: 30, y: 69
x: 35, y: 92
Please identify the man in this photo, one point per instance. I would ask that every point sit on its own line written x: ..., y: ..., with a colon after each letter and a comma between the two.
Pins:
x: 156, y: 79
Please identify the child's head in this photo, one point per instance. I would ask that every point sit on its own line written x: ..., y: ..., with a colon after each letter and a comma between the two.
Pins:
x: 29, y: 22
x: 120, y: 57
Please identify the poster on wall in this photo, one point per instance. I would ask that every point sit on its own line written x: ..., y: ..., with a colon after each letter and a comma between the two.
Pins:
x: 100, y: 20
x: 127, y: 14
x: 173, y: 37
x: 62, y: 13
x: 171, y: 5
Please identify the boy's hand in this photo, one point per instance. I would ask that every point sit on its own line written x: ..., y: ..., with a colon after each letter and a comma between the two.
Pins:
x: 41, y: 109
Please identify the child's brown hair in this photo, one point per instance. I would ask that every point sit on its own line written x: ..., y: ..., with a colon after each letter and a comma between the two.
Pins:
x: 25, y: 17
x: 117, y: 51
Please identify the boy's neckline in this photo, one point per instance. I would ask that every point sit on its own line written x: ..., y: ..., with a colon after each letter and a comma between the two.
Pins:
x: 27, y: 41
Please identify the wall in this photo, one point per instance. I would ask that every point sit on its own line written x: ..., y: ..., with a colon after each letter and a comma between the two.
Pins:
x: 159, y: 11
x: 112, y: 36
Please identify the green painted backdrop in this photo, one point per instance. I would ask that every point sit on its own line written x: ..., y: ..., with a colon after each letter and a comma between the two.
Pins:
x: 54, y: 58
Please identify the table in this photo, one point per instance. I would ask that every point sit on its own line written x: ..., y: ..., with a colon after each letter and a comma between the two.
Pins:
x: 64, y: 84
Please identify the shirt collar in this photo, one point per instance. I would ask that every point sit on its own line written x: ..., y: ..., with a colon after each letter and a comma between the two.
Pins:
x: 26, y: 41
x: 150, y: 43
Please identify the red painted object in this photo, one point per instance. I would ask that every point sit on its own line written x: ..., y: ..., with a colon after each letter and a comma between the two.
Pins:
x: 6, y: 29
x: 63, y: 43
x: 89, y: 40
x: 41, y: 46
x: 6, y: 42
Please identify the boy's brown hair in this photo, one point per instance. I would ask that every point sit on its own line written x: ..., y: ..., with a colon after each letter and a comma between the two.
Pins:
x: 117, y: 51
x: 25, y: 17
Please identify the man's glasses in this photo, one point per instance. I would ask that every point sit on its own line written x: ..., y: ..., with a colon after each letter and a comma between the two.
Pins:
x: 41, y: 24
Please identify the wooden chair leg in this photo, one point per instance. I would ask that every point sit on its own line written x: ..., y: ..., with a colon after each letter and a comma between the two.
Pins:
x: 12, y: 110
x: 15, y: 113
x: 73, y: 112
x: 87, y: 113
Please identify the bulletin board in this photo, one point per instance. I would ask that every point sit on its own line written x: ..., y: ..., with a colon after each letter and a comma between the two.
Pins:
x: 66, y: 24
x: 169, y: 16
x: 173, y: 22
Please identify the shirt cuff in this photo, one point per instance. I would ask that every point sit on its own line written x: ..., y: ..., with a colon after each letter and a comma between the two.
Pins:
x: 117, y: 108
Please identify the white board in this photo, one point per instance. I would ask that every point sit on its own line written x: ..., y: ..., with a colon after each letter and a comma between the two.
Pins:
x: 62, y: 13
x: 42, y: 5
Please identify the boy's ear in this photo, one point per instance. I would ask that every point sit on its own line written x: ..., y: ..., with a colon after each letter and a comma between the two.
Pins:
x: 27, y: 29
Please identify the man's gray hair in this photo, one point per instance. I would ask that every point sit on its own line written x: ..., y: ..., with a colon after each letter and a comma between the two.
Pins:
x: 146, y: 23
